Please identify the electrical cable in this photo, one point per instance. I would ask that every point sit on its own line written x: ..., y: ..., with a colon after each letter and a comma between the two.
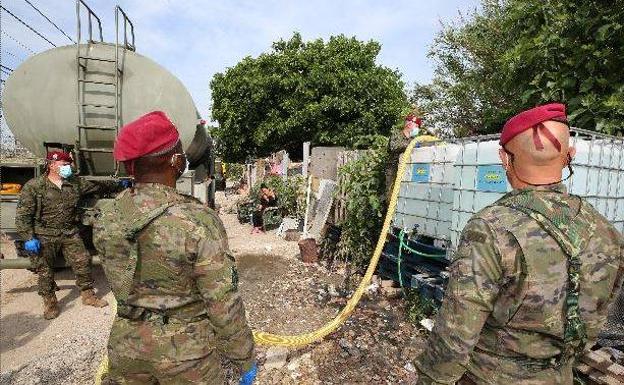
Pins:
x: 13, y: 55
x: 24, y: 46
x: 51, y: 22
x: 27, y: 25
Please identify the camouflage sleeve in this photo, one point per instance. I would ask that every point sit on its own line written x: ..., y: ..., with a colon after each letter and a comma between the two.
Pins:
x: 618, y: 287
x: 25, y: 212
x: 469, y: 297
x: 397, y: 142
x: 217, y: 281
x: 88, y: 187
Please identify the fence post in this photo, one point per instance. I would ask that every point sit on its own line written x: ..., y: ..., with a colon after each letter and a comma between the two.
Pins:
x: 306, y: 159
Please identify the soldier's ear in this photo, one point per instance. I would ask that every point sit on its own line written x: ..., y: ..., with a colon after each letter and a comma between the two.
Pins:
x: 178, y: 162
x: 504, y: 157
x: 571, y: 153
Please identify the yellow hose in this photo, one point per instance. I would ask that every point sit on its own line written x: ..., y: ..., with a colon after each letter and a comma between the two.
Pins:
x: 263, y: 338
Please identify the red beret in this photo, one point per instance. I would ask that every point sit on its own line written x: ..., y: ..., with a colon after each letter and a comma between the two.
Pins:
x: 59, y: 155
x: 151, y: 134
x: 413, y: 118
x: 531, y: 119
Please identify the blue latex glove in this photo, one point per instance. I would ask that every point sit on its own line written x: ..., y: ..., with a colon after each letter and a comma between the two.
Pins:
x: 125, y: 183
x: 32, y: 246
x: 248, y: 377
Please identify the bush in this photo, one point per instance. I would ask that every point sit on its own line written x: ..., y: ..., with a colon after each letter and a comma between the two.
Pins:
x: 418, y: 307
x: 234, y: 171
x: 324, y: 91
x: 290, y: 194
x: 364, y: 181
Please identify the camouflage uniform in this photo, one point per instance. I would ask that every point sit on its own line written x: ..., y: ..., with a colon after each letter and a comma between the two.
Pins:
x: 396, y: 146
x: 167, y: 259
x: 50, y: 214
x: 529, y: 290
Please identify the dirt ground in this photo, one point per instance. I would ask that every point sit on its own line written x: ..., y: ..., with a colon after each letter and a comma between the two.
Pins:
x: 281, y: 295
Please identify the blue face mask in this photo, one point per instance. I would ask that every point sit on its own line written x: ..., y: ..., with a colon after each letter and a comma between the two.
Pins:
x: 65, y: 171
x: 414, y: 131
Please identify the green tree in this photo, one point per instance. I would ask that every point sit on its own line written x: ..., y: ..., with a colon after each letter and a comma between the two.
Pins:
x: 330, y: 93
x: 515, y: 54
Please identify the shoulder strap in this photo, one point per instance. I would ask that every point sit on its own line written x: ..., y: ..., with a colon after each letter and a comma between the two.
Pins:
x: 568, y: 235
x: 141, y: 222
x: 126, y: 277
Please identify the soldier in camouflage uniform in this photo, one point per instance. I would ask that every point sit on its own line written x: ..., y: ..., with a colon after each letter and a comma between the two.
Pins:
x: 533, y: 275
x: 47, y: 216
x: 167, y: 260
x: 397, y: 143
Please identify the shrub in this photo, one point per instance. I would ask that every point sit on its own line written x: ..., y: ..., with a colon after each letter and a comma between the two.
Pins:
x: 234, y: 171
x: 290, y: 194
x: 364, y: 181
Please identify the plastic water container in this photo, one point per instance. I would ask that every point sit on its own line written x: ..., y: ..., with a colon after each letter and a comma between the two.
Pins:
x: 480, y: 180
x: 426, y: 195
x: 598, y: 176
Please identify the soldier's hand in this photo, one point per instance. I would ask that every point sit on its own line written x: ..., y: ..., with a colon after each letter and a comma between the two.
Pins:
x: 32, y: 246
x: 249, y: 376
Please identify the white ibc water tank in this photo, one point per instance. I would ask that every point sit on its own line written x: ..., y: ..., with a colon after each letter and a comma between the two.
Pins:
x: 426, y: 194
x: 479, y: 181
x: 598, y: 176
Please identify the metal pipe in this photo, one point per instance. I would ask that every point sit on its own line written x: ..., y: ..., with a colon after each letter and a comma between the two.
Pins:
x: 79, y: 140
x: 24, y: 263
x: 90, y: 12
x: 127, y: 21
x: 117, y: 85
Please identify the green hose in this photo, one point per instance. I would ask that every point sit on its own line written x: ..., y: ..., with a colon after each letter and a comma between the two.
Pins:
x: 403, y: 245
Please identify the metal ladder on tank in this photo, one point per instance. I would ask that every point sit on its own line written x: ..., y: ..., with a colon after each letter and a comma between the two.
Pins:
x: 85, y: 77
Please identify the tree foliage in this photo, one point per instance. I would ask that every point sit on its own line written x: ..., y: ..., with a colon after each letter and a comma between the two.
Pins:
x: 515, y: 54
x: 364, y: 181
x: 330, y: 93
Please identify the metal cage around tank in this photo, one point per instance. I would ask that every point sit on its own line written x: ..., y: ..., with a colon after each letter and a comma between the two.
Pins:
x: 448, y: 181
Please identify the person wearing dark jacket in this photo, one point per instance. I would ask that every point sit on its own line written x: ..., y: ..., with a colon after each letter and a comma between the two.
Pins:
x: 267, y: 199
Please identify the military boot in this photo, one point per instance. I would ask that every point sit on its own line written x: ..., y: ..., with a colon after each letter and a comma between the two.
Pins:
x: 50, y: 307
x: 89, y: 298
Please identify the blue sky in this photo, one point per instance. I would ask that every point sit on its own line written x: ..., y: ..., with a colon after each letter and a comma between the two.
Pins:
x: 195, y: 39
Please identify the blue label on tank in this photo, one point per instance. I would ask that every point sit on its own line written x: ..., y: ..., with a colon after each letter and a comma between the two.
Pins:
x: 420, y: 172
x: 491, y: 178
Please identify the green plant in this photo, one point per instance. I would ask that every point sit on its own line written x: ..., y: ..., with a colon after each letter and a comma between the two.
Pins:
x: 324, y: 91
x: 234, y: 171
x: 363, y: 180
x: 417, y: 307
x: 515, y: 54
x: 290, y: 194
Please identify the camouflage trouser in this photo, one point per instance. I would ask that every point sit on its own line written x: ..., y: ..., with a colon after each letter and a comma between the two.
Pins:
x: 152, y: 352
x: 131, y: 371
x: 75, y: 254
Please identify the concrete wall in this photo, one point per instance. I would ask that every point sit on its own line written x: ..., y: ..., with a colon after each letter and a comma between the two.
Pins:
x: 323, y: 162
